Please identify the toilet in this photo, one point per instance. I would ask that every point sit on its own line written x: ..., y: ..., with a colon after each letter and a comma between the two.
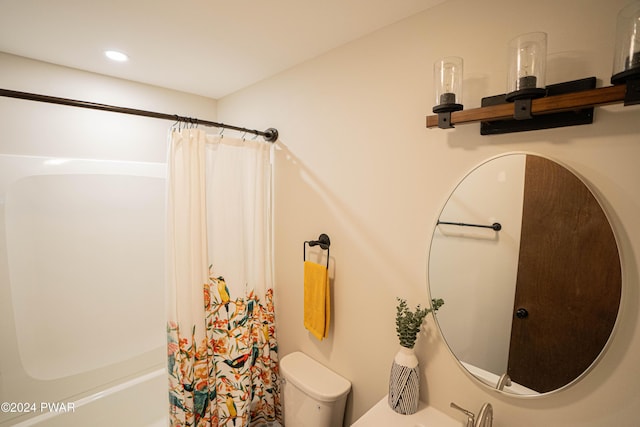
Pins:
x: 314, y: 396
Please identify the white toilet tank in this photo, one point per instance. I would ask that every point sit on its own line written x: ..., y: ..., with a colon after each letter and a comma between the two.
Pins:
x: 314, y: 396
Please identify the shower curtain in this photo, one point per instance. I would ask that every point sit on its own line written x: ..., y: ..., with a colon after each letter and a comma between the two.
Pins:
x: 222, y: 351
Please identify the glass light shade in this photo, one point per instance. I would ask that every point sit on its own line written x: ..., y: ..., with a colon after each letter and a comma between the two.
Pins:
x: 527, y: 66
x: 626, y: 60
x: 447, y: 82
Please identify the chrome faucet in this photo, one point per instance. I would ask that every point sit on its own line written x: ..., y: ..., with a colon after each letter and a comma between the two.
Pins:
x: 485, y: 416
x: 504, y: 380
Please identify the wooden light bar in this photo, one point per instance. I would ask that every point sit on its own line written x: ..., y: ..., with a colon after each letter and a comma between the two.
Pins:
x: 547, y: 105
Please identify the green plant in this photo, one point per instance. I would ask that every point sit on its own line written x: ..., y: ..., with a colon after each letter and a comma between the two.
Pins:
x: 408, y: 322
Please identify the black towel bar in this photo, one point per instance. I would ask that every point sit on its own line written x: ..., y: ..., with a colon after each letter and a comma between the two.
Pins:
x: 495, y: 226
x: 323, y: 241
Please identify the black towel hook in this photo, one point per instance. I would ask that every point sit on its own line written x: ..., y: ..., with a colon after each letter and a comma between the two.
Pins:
x: 323, y: 241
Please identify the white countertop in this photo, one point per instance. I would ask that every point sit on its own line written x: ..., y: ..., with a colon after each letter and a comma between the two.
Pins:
x: 382, y: 415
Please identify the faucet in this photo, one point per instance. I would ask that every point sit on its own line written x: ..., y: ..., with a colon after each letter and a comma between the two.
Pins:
x: 504, y: 380
x: 485, y: 416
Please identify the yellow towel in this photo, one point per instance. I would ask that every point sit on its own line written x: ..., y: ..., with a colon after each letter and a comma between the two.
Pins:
x: 317, y: 305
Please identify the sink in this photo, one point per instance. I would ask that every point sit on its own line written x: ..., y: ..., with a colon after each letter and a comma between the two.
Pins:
x: 427, y: 416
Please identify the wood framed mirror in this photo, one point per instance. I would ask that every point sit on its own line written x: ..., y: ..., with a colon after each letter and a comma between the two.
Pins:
x: 538, y: 298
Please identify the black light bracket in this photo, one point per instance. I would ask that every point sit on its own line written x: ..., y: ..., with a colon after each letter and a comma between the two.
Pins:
x: 522, y: 101
x: 522, y: 109
x: 525, y: 120
x: 444, y: 114
x: 444, y: 120
x: 632, y: 94
x: 630, y: 78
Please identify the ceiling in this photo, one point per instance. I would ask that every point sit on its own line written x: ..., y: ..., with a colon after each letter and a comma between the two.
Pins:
x: 207, y: 47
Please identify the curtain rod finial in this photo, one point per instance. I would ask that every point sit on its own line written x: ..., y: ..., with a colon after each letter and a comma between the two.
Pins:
x: 271, y: 135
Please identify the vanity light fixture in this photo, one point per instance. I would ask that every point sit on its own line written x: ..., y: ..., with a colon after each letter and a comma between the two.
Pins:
x: 115, y: 55
x: 626, y: 60
x: 526, y: 76
x: 527, y: 64
x: 530, y: 105
x: 447, y: 79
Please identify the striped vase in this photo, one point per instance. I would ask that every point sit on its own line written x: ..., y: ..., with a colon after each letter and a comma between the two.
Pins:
x: 404, y: 382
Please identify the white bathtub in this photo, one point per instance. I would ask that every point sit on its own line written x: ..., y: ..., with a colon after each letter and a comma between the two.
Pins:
x: 138, y: 402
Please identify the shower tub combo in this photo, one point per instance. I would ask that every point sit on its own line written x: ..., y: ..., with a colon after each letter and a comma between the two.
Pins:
x: 82, y: 294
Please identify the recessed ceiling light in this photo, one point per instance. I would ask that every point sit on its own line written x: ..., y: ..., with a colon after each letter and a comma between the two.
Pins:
x: 116, y: 56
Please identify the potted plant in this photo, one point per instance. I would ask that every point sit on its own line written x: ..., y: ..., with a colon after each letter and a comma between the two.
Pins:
x: 404, y: 382
x: 408, y: 322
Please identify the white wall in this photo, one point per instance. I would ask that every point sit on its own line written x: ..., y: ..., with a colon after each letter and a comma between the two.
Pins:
x: 356, y: 162
x: 34, y: 128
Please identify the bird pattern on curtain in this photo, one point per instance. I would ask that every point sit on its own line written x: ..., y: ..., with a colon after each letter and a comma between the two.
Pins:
x: 231, y: 377
x: 222, y: 350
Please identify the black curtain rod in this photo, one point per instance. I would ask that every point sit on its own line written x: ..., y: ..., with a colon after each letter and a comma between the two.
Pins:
x: 270, y: 135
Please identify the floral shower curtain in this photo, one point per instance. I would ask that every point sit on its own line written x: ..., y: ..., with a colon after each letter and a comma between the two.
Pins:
x: 222, y: 351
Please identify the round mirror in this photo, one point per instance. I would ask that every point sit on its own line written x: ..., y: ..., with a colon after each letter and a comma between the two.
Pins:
x: 527, y: 264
